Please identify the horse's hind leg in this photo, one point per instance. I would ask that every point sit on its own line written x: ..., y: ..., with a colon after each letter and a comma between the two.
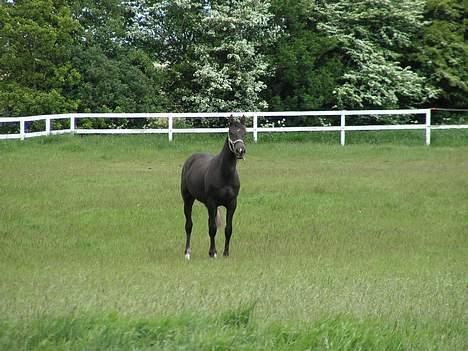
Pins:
x: 188, y: 203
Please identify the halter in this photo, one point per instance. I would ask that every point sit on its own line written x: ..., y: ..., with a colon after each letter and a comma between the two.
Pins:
x: 232, y: 144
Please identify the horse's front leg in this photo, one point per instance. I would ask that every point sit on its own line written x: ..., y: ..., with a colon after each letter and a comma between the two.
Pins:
x: 212, y: 211
x: 228, y: 230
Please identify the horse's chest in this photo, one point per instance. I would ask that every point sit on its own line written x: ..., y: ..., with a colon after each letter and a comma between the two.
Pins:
x: 225, y: 194
x: 228, y: 192
x: 222, y: 188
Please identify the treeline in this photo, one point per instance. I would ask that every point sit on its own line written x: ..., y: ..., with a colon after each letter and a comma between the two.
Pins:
x: 230, y: 55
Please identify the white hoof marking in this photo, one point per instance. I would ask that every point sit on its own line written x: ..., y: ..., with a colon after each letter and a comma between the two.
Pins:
x: 187, y: 256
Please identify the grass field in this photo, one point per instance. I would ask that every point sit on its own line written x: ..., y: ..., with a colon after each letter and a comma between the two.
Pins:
x: 342, y: 248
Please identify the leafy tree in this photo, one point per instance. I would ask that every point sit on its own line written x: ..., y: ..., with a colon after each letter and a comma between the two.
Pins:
x: 441, y: 52
x: 36, y: 43
x: 212, y: 49
x: 229, y: 69
x: 373, y: 35
x: 307, y: 64
x: 104, y: 23
x: 166, y: 29
x: 116, y: 76
x: 127, y: 83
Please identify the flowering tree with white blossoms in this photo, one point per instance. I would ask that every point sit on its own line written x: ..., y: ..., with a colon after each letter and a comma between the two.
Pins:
x: 374, y: 36
x: 229, y: 67
x: 214, y: 48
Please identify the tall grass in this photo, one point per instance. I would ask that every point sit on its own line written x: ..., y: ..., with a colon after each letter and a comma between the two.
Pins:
x: 230, y: 331
x: 362, y: 246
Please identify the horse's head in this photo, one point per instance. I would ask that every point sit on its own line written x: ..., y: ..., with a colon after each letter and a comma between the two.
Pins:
x: 236, y: 137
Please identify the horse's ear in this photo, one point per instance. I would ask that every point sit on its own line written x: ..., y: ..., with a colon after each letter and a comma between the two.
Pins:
x: 242, y: 120
x: 231, y: 119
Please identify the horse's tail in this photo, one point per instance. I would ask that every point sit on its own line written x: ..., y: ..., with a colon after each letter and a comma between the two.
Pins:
x: 219, y: 218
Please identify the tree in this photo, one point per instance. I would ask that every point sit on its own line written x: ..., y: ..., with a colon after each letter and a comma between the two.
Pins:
x: 441, y: 52
x: 116, y: 75
x: 104, y: 23
x: 229, y: 68
x: 36, y: 42
x: 212, y: 49
x: 306, y: 63
x: 373, y: 35
x: 129, y: 83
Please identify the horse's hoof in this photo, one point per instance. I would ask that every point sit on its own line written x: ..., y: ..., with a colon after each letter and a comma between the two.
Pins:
x: 187, y: 256
x: 213, y: 255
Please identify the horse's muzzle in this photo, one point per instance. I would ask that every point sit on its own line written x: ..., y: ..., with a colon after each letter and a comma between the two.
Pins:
x: 239, y: 151
x: 240, y: 154
x: 237, y: 147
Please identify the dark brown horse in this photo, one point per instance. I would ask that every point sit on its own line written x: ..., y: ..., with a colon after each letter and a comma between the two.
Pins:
x: 213, y: 180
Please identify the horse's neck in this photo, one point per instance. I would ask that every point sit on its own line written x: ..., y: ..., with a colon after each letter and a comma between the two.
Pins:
x: 227, y: 159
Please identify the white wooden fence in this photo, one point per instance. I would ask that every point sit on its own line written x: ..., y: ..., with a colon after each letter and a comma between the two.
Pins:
x: 255, y: 129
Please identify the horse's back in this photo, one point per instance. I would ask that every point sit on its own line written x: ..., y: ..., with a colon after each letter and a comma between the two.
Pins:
x: 193, y: 175
x: 198, y: 162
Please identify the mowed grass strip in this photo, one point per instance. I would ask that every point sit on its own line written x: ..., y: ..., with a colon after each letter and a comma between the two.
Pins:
x: 373, y: 235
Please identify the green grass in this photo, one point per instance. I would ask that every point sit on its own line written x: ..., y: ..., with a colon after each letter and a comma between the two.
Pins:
x: 232, y: 330
x: 363, y: 246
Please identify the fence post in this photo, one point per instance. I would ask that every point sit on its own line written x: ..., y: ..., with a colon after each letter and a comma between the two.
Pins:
x: 72, y: 124
x: 428, y: 127
x: 342, y: 128
x: 22, y: 129
x: 170, y: 126
x: 255, y: 128
x: 47, y: 125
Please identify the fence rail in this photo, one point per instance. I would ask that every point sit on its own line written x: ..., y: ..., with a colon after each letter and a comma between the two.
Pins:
x: 255, y: 129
